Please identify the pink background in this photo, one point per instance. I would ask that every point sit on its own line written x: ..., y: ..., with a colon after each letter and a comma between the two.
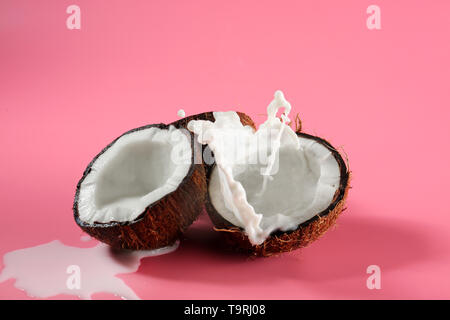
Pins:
x: 382, y: 95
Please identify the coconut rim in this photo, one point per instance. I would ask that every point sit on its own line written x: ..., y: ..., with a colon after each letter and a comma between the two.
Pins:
x: 147, y: 209
x: 338, y: 197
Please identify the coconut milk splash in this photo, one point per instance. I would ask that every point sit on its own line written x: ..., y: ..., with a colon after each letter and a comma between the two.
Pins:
x: 227, y: 133
x: 278, y: 102
x: 54, y: 268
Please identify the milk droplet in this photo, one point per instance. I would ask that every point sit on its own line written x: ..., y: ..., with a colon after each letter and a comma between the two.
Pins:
x: 85, y: 238
x: 181, y: 113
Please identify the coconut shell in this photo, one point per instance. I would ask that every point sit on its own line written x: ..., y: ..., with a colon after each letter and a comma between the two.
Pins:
x: 278, y: 242
x: 162, y: 222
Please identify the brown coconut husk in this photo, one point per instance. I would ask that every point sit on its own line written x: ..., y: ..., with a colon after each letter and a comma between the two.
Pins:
x: 307, y: 232
x: 162, y: 222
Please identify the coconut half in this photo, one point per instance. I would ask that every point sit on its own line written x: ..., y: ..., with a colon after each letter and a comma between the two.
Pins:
x: 300, y: 203
x: 143, y: 190
x: 272, y: 189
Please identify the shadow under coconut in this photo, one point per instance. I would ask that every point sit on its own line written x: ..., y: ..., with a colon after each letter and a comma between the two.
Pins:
x: 345, y: 251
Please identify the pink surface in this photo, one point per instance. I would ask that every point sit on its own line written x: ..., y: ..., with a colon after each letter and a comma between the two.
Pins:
x: 382, y: 95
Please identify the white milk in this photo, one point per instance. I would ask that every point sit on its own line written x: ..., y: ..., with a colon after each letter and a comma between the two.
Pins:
x: 54, y: 268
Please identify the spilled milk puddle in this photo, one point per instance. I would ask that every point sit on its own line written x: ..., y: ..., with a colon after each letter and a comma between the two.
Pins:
x: 54, y: 268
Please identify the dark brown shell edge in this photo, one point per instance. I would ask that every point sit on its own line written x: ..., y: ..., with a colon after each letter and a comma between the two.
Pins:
x: 235, y: 238
x: 162, y: 222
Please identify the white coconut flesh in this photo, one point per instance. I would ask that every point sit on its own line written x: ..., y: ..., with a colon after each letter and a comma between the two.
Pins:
x: 139, y: 169
x: 304, y: 185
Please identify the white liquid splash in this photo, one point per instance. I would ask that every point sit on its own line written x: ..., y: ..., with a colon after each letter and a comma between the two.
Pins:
x: 217, y: 136
x: 46, y: 270
x: 278, y: 102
